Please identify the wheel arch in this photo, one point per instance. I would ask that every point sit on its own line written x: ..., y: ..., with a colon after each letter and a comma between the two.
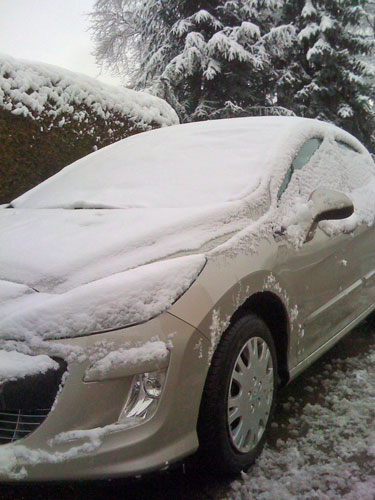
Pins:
x: 270, y: 308
x: 216, y: 306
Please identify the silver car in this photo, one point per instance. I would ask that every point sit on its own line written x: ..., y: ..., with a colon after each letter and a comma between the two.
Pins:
x: 156, y: 294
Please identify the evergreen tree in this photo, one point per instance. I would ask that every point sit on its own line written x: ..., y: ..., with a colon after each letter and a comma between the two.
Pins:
x: 368, y: 27
x: 326, y: 76
x: 368, y: 22
x: 208, y: 58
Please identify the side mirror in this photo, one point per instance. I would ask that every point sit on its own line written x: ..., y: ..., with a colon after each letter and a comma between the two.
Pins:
x: 328, y: 204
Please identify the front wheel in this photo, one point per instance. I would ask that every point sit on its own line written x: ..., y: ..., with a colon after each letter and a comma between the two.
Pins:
x: 238, y: 397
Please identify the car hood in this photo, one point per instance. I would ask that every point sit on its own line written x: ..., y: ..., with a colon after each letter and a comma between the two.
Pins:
x: 56, y: 250
x: 66, y: 273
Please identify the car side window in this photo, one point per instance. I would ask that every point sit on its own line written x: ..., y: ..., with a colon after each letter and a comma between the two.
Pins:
x: 302, y: 157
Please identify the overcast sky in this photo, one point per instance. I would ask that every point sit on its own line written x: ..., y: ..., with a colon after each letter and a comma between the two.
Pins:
x: 51, y: 31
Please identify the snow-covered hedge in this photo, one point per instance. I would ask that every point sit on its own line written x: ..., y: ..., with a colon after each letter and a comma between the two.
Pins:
x: 49, y: 117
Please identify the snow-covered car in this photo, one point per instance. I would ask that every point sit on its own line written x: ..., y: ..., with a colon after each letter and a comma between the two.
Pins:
x: 156, y: 294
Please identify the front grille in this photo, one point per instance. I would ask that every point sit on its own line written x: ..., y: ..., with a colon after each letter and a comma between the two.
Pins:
x: 26, y: 403
x: 16, y: 424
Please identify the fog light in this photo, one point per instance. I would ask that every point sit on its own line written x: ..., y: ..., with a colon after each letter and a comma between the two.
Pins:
x: 144, y: 397
x: 153, y: 384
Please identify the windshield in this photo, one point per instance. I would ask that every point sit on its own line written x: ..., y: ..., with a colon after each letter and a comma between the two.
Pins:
x: 195, y: 164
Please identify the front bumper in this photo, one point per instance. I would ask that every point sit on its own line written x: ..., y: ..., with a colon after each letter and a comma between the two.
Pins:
x: 109, y: 449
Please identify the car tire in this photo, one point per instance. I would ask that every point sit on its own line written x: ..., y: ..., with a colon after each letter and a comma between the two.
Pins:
x: 238, y: 397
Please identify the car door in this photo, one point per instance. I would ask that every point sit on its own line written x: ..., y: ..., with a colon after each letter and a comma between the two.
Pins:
x: 359, y: 250
x: 317, y: 275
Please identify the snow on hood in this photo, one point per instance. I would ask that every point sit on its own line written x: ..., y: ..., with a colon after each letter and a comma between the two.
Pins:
x: 118, y: 300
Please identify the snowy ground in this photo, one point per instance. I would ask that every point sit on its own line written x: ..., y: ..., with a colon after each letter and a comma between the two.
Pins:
x: 322, y: 444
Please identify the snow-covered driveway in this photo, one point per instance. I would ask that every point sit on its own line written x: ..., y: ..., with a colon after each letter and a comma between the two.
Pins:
x: 322, y: 444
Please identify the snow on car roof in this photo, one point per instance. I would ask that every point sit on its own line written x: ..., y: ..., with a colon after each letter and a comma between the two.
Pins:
x: 195, y: 164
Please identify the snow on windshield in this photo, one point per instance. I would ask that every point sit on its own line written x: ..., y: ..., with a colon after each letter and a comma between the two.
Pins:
x: 56, y: 250
x: 188, y: 165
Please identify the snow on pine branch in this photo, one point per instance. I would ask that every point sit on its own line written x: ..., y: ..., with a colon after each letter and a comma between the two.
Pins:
x: 308, y: 90
x: 213, y: 68
x: 345, y: 111
x: 364, y: 101
x: 353, y: 77
x: 320, y: 48
x: 280, y: 37
x: 326, y: 24
x: 204, y: 16
x: 309, y: 31
x: 249, y: 30
x: 309, y: 9
x: 195, y: 40
x: 229, y: 48
x: 181, y: 27
x: 209, y: 110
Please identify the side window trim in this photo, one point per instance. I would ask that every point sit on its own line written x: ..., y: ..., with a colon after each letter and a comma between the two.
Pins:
x: 346, y: 146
